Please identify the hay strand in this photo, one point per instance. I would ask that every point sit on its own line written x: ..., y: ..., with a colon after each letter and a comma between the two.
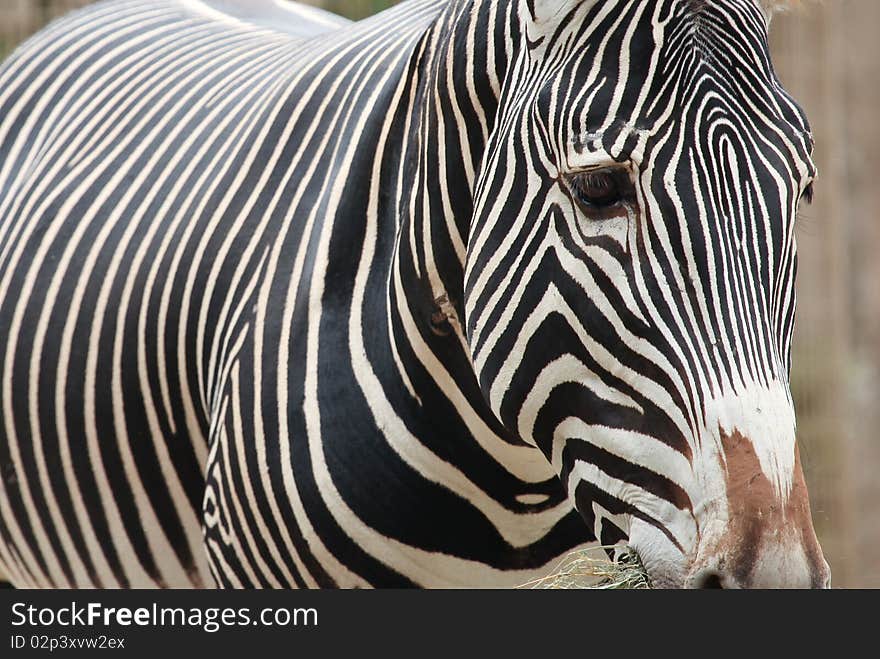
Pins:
x: 592, y: 569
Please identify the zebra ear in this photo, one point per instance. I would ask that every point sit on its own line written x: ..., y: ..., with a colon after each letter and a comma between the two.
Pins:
x: 542, y: 18
x: 772, y: 7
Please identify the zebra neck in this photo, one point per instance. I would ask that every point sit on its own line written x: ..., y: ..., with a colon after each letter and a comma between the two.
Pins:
x: 458, y: 69
x: 448, y: 105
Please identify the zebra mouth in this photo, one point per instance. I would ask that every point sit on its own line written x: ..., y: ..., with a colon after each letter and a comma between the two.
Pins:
x: 629, y: 572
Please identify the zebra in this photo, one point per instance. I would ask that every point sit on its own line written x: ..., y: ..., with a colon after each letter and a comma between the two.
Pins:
x: 430, y: 299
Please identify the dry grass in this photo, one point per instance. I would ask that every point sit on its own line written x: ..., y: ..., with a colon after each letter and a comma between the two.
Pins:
x: 592, y: 569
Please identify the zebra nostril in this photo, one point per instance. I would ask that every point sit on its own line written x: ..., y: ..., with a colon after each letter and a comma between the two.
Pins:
x: 708, y: 579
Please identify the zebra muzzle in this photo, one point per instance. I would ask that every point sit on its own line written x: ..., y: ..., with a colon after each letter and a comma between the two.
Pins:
x: 768, y: 539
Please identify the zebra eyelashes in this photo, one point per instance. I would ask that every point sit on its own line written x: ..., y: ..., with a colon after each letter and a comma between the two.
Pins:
x: 601, y: 191
x: 807, y: 195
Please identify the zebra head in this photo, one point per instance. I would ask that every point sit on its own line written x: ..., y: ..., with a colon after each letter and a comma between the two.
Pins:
x: 629, y: 283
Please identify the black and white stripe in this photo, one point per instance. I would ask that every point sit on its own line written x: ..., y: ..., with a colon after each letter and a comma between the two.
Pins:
x: 288, y: 301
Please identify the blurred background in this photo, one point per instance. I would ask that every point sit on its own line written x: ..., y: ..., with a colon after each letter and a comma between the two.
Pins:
x: 828, y: 56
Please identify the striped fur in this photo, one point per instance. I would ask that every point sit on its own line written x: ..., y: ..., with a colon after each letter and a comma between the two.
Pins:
x: 286, y: 301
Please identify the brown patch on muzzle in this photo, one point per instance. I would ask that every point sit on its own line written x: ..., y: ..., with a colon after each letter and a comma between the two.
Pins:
x: 758, y: 519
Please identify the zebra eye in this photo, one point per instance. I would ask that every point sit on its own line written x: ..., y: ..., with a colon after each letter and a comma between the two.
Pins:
x: 601, y: 188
